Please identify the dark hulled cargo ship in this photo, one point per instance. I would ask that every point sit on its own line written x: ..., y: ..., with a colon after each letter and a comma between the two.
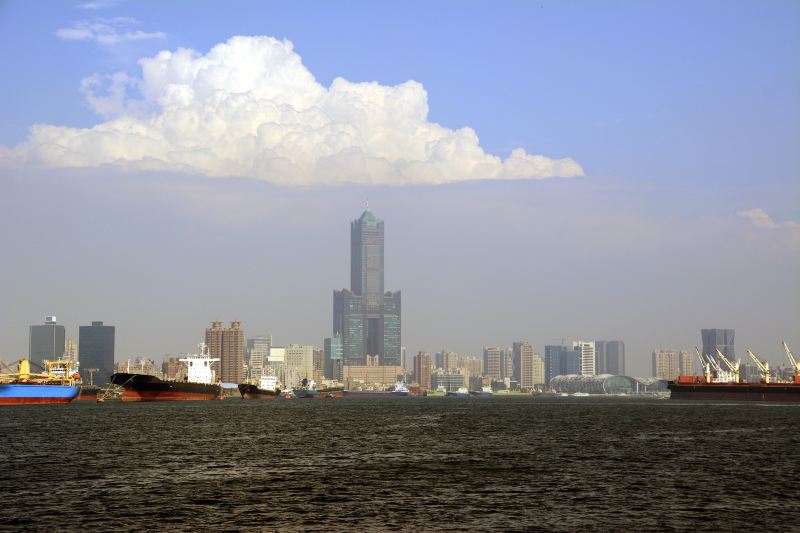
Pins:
x: 200, y: 383
x: 697, y: 390
x: 144, y: 388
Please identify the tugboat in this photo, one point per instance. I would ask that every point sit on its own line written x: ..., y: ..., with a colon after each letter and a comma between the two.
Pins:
x: 268, y: 388
x: 200, y: 383
x: 57, y: 384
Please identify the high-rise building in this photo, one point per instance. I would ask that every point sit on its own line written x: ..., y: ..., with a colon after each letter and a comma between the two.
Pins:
x: 610, y: 357
x: 422, y: 370
x: 256, y: 355
x: 333, y: 357
x: 587, y: 356
x: 531, y: 366
x: 721, y: 339
x: 172, y: 368
x: 449, y: 381
x: 46, y: 341
x: 665, y: 364
x: 96, y: 351
x: 366, y: 317
x: 299, y: 363
x: 507, y: 363
x: 228, y: 345
x: 560, y: 361
x: 491, y: 363
x: 522, y: 350
x: 686, y: 363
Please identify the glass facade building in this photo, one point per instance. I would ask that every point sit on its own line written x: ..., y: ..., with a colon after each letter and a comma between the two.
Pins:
x: 721, y: 339
x: 333, y: 357
x: 46, y: 341
x: 559, y: 361
x: 96, y: 351
x: 366, y: 317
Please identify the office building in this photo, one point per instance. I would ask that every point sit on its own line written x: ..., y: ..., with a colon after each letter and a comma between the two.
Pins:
x: 422, y: 370
x: 333, y: 358
x: 560, y: 361
x: 587, y: 351
x: 665, y: 364
x: 256, y: 355
x: 96, y: 351
x: 492, y: 363
x: 173, y: 369
x: 366, y: 317
x: 610, y: 357
x: 71, y: 350
x: 721, y: 339
x: 46, y: 341
x: 372, y: 375
x: 228, y: 345
x: 298, y: 364
x: 507, y: 364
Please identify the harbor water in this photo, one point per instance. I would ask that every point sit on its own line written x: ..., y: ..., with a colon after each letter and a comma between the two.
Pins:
x: 407, y: 464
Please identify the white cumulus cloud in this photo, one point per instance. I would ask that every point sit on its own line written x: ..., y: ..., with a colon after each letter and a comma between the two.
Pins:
x: 250, y: 108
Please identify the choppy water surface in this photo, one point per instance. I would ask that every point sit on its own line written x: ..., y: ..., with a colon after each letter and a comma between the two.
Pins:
x: 535, y: 464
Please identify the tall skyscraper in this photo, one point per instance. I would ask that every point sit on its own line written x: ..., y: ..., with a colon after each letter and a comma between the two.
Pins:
x: 560, y: 361
x: 228, y: 345
x: 366, y: 317
x: 610, y: 357
x: 492, y: 363
x: 531, y: 366
x: 587, y: 356
x: 721, y: 339
x: 46, y: 341
x: 422, y: 370
x: 96, y: 351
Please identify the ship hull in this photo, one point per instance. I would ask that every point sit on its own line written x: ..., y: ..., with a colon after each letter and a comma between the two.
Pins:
x: 252, y: 392
x: 88, y: 394
x: 36, y: 393
x: 143, y: 388
x: 754, y: 392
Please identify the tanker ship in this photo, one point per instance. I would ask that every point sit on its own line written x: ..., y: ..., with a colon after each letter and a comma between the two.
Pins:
x: 720, y: 383
x: 268, y: 388
x: 57, y: 384
x: 200, y: 383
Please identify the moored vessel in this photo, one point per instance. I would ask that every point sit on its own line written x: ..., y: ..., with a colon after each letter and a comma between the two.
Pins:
x: 720, y: 384
x: 200, y: 383
x: 268, y: 388
x: 57, y: 384
x: 461, y: 392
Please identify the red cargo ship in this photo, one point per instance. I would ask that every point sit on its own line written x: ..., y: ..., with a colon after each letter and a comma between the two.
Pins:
x: 697, y: 388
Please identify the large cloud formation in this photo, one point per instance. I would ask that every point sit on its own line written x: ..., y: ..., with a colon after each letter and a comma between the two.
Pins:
x: 250, y: 108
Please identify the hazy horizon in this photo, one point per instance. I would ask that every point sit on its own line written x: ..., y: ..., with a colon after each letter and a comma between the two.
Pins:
x: 559, y: 170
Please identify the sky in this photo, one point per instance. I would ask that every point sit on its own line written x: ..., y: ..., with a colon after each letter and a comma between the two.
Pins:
x: 545, y: 170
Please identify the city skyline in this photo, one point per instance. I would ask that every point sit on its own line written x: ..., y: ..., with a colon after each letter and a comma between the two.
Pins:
x: 552, y: 170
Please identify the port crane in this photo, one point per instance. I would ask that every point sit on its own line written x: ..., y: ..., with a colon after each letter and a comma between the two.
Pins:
x: 734, y: 367
x: 705, y: 365
x: 762, y: 365
x: 793, y: 361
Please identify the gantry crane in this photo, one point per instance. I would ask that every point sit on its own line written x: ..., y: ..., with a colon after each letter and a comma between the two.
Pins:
x: 793, y: 361
x: 763, y: 366
x: 734, y: 367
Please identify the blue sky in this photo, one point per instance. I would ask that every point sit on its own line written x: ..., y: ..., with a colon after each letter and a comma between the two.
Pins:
x: 681, y: 115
